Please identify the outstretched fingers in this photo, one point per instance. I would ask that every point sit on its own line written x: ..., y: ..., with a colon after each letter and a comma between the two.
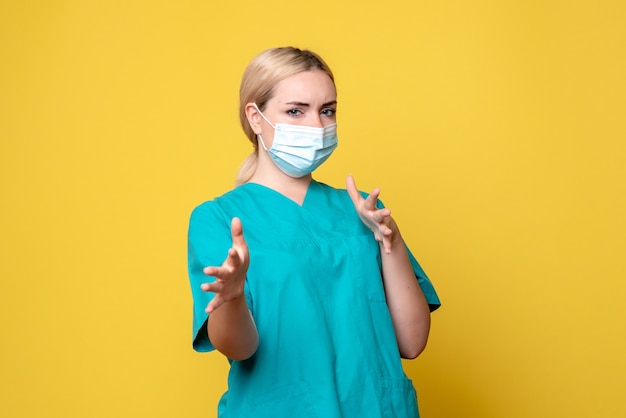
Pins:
x: 215, y: 303
x: 233, y: 261
x: 240, y: 246
x: 361, y: 204
x: 230, y: 276
x: 377, y: 220
x: 236, y: 230
x: 353, y: 192
x: 370, y: 202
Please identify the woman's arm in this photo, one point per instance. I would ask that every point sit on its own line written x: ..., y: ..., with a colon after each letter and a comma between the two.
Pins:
x: 409, y: 309
x: 230, y: 326
x: 232, y: 330
x: 407, y: 304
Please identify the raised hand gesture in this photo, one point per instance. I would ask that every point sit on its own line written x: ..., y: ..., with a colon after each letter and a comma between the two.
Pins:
x: 231, y: 275
x: 379, y: 221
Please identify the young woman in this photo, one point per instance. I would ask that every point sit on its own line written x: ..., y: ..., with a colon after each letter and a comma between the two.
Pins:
x: 308, y: 290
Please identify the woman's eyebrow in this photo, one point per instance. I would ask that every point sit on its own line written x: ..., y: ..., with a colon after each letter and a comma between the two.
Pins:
x: 302, y: 104
x: 296, y: 103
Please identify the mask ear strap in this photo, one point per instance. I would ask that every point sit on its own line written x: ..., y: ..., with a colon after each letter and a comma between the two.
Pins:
x: 263, y: 116
x: 260, y: 138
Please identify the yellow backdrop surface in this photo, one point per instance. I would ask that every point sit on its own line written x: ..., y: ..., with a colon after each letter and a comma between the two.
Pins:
x: 496, y: 130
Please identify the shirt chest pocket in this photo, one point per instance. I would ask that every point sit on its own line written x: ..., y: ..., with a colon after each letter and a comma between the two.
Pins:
x: 364, y: 267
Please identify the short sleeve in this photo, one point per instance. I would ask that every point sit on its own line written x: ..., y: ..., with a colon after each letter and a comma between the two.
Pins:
x: 427, y: 287
x: 208, y: 242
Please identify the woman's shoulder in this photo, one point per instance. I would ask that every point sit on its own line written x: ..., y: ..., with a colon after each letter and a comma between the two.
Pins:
x: 218, y: 208
x: 218, y: 202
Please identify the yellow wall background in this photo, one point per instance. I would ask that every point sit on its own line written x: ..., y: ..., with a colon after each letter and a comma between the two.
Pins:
x: 496, y: 130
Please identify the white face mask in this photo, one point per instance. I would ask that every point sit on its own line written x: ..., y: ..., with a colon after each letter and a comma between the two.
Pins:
x: 298, y: 150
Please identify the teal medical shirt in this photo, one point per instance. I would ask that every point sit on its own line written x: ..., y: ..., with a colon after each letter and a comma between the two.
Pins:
x: 327, y: 346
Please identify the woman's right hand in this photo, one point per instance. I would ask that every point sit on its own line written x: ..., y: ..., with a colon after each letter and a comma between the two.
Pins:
x: 231, y: 275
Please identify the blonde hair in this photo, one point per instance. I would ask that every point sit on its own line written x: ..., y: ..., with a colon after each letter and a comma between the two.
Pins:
x: 260, y: 78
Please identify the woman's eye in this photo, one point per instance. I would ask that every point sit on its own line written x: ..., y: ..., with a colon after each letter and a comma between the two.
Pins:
x: 329, y: 112
x: 294, y: 112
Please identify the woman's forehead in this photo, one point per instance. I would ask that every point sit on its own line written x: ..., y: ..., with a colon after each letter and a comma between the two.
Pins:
x: 305, y: 87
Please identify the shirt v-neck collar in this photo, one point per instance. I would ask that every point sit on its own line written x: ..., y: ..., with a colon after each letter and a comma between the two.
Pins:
x: 313, y: 185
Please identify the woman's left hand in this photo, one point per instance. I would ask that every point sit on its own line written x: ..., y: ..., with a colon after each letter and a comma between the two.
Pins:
x: 379, y: 221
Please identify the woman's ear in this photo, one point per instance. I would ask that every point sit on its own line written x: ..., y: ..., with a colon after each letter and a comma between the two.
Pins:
x: 254, y: 117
